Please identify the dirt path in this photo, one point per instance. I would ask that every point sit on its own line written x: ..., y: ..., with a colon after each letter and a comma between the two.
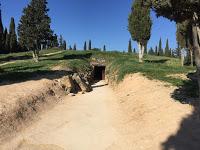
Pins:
x: 138, y: 115
x: 82, y: 122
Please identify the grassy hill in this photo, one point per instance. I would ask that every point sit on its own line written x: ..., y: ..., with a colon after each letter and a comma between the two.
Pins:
x: 20, y: 67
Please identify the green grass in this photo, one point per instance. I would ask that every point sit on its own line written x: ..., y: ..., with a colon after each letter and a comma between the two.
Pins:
x: 119, y: 63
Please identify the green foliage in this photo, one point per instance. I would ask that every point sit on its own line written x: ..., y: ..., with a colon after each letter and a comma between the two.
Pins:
x: 61, y: 42
x: 64, y: 45
x: 177, y: 10
x: 160, y: 49
x: 85, y: 46
x: 156, y: 50
x: 104, y: 48
x: 140, y: 22
x: 74, y: 48
x: 167, y: 49
x: 13, y: 36
x: 117, y: 62
x: 129, y: 46
x: 151, y: 51
x: 34, y: 15
x: 90, y: 45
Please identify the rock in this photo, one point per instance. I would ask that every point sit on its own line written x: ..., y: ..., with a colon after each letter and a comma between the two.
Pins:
x: 67, y: 84
x: 82, y: 83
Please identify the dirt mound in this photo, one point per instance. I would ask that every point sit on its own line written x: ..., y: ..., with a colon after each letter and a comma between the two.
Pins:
x: 19, y: 102
x: 151, y: 115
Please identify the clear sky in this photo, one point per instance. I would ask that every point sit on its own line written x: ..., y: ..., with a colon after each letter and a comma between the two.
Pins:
x: 102, y: 21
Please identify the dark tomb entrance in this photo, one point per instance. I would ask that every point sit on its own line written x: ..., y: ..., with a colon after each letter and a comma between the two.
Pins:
x: 99, y: 73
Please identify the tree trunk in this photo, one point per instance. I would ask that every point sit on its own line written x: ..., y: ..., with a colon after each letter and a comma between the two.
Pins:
x: 196, y: 35
x: 35, y: 55
x: 140, y: 52
x: 182, y: 57
x: 191, y: 57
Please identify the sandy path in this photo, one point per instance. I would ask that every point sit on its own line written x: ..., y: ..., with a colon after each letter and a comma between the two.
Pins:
x: 82, y: 122
x: 138, y: 115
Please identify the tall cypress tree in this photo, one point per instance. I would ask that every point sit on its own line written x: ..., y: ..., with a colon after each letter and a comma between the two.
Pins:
x: 4, y: 39
x: 1, y: 32
x: 140, y: 25
x: 13, y: 36
x: 160, y: 49
x: 129, y: 46
x: 85, y: 46
x: 167, y: 50
x: 74, y: 47
x: 104, y: 48
x: 64, y: 45
x: 156, y: 50
x: 35, y: 15
x: 61, y: 42
x: 90, y: 45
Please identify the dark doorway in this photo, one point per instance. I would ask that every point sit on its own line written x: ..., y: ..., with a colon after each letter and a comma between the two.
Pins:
x: 99, y: 73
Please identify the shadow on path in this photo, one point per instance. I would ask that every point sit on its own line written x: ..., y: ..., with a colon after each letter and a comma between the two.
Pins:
x: 188, y: 135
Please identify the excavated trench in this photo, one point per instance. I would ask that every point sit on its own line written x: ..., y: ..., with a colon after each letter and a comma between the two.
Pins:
x: 29, y: 104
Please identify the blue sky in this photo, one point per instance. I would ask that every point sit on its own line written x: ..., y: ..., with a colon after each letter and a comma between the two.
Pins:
x: 102, y: 21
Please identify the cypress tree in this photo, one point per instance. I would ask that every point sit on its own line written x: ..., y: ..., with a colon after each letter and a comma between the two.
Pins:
x: 167, y: 50
x: 74, y: 47
x: 70, y: 47
x: 61, y: 42
x: 160, y: 49
x: 13, y: 36
x: 90, y: 45
x: 4, y: 39
x: 151, y: 51
x: 85, y: 46
x: 35, y: 15
x: 55, y: 41
x: 156, y: 51
x: 134, y: 51
x: 145, y: 49
x: 140, y: 25
x: 64, y: 45
x: 129, y: 46
x: 7, y: 43
x: 1, y: 31
x: 104, y: 48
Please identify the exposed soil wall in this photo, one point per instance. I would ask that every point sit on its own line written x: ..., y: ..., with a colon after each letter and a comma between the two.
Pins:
x: 20, y: 102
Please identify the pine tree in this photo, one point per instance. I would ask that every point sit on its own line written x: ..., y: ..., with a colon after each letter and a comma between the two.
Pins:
x: 90, y: 45
x: 104, y: 48
x: 160, y: 49
x: 85, y: 46
x: 129, y: 46
x: 13, y: 36
x: 35, y: 15
x: 140, y: 25
x: 167, y: 50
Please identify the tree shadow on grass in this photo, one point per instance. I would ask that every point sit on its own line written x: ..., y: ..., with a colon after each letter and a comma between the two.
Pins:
x: 14, y: 58
x: 22, y: 76
x: 188, y: 134
x: 78, y: 56
x: 160, y: 61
